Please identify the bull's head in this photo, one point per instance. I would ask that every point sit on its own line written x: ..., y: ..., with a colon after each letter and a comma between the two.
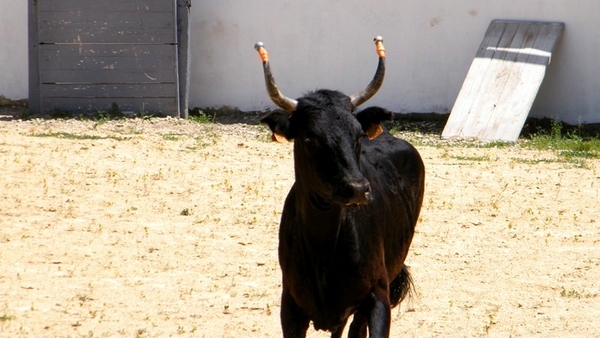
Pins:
x: 328, y: 136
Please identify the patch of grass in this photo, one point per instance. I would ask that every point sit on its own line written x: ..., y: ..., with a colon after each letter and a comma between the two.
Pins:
x: 207, y: 140
x: 101, y: 119
x: 577, y: 153
x: 6, y: 318
x: 68, y: 136
x: 476, y: 144
x: 484, y: 158
x: 172, y: 136
x: 536, y: 161
x: 572, y: 142
x: 71, y: 136
x: 576, y: 294
x: 571, y: 147
x: 264, y: 134
x: 489, y: 324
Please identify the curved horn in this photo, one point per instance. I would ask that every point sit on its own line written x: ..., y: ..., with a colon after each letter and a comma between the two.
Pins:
x: 365, y: 94
x: 279, y: 99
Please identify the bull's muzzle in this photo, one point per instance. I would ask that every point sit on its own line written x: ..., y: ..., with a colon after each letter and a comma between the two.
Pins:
x: 357, y: 192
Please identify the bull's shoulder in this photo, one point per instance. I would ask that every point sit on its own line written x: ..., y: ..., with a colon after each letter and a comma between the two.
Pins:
x: 393, y: 165
x: 390, y: 150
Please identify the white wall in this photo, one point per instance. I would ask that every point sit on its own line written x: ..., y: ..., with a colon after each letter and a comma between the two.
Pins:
x: 328, y: 44
x: 13, y: 49
x: 430, y: 45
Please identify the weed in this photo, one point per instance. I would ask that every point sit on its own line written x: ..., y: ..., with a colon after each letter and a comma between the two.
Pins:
x: 490, y: 323
x: 536, y: 161
x: 210, y: 139
x: 115, y: 111
x: 571, y: 147
x: 71, y: 136
x: 199, y: 116
x: 473, y: 158
x: 576, y: 294
x: 101, y: 119
x: 6, y: 318
x: 172, y: 136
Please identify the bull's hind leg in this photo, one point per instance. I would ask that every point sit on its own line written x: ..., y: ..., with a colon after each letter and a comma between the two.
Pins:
x: 401, y: 286
x: 338, y: 333
x: 294, y: 321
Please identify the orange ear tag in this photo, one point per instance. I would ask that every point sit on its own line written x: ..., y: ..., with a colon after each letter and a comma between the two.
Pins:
x: 276, y: 137
x: 374, y: 131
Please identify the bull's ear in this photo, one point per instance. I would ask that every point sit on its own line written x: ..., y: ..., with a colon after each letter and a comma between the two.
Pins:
x: 279, y: 123
x: 370, y: 120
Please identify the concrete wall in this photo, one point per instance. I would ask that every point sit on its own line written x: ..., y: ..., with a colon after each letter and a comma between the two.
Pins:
x: 430, y: 45
x: 328, y: 44
x: 13, y: 49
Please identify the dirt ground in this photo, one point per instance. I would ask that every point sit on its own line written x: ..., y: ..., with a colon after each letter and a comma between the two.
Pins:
x: 165, y: 227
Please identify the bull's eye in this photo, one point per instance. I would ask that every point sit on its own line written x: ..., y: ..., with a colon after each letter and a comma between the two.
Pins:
x: 312, y: 142
x: 357, y: 148
x: 357, y: 143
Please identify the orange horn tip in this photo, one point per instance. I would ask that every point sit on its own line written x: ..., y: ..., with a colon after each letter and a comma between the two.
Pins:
x: 260, y: 48
x: 379, y: 46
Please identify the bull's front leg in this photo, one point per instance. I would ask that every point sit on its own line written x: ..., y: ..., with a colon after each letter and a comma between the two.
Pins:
x: 380, y: 314
x: 294, y: 321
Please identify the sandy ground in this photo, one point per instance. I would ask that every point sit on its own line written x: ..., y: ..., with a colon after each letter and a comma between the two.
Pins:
x: 164, y: 227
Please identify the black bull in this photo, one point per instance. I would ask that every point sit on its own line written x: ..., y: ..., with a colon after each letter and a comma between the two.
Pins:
x: 348, y: 220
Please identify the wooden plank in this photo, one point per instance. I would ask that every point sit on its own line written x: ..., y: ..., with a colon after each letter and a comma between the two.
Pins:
x: 527, y: 79
x: 108, y: 63
x: 133, y: 6
x: 502, y: 83
x: 484, y: 105
x: 35, y: 101
x: 151, y: 105
x: 474, y: 77
x: 184, y: 57
x: 489, y: 78
x: 106, y: 27
x: 135, y: 90
x: 107, y: 76
x: 111, y: 56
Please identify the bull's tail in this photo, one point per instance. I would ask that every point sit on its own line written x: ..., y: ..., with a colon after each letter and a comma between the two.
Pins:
x: 401, y: 286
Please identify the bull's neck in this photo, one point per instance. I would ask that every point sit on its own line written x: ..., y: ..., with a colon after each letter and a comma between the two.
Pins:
x: 320, y: 221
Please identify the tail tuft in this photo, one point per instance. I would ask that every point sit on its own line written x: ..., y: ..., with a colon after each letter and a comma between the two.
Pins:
x: 401, y: 286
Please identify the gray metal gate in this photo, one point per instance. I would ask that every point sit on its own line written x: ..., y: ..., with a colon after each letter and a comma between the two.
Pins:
x: 86, y: 55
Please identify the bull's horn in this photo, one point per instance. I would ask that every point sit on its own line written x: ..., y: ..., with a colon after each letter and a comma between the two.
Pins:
x: 279, y: 99
x: 364, y: 95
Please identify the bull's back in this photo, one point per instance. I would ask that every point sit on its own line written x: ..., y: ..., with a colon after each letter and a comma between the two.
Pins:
x: 396, y: 166
x: 396, y: 173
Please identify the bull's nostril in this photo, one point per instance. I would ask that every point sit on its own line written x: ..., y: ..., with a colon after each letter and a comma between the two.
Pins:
x: 358, y: 192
